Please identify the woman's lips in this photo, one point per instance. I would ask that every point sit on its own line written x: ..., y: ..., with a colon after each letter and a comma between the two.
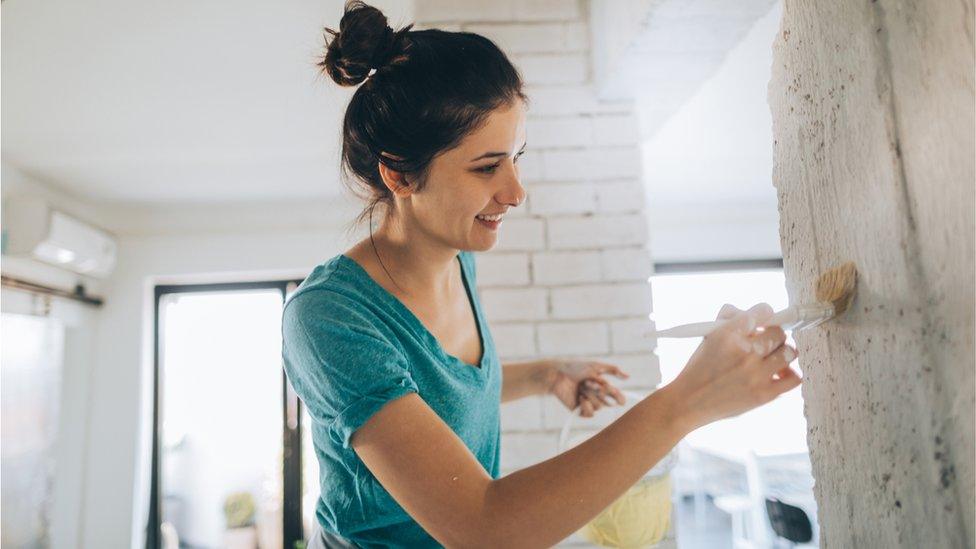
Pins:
x: 493, y: 225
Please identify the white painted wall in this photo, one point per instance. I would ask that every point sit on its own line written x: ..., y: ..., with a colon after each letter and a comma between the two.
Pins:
x: 568, y: 276
x: 103, y: 477
x: 121, y: 410
x: 81, y: 330
x: 873, y: 112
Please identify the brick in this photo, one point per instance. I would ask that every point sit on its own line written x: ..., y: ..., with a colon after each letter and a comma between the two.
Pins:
x: 559, y: 68
x: 502, y: 269
x: 626, y: 264
x: 522, y: 414
x: 555, y: 414
x: 515, y: 38
x: 520, y: 449
x: 601, y: 301
x: 567, y: 100
x: 428, y: 11
x: 513, y: 340
x: 515, y: 304
x: 439, y: 25
x: 550, y: 268
x: 577, y: 36
x: 596, y: 232
x: 522, y: 210
x: 519, y: 234
x: 629, y: 335
x: 547, y: 10
x: 619, y: 197
x: 643, y: 368
x: 616, y: 130
x: 563, y: 198
x: 591, y: 164
x: 571, y: 338
x: 530, y: 166
x: 559, y: 131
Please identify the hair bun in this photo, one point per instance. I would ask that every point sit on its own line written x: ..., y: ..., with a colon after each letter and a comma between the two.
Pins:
x: 364, y: 41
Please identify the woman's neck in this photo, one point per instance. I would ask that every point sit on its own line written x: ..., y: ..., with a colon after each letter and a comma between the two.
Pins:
x: 420, y: 268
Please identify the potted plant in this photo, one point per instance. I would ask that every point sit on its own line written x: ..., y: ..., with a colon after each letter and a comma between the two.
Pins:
x: 239, y: 514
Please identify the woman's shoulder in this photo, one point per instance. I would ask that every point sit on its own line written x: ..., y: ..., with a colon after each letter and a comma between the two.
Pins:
x: 328, y: 288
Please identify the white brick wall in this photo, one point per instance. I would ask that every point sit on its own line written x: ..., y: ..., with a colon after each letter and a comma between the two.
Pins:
x: 568, y: 276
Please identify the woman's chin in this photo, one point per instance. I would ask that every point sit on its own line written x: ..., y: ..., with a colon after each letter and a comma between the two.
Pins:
x: 483, y: 244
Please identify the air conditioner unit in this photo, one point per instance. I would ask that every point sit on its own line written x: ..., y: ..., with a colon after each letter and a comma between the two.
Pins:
x: 32, y: 228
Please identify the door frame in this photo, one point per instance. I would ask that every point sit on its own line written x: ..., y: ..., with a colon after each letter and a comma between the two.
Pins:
x: 292, y: 528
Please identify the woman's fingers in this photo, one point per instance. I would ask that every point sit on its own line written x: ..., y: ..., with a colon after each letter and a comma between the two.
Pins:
x: 767, y: 341
x: 586, y: 407
x: 617, y: 394
x: 593, y: 395
x: 727, y: 311
x: 778, y: 361
x: 611, y: 369
x: 738, y: 329
x: 604, y: 390
x: 786, y: 379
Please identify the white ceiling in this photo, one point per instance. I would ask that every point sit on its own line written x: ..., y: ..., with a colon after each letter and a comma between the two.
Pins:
x: 717, y: 146
x: 156, y: 102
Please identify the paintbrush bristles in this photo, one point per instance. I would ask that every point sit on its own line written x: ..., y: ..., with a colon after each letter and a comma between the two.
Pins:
x: 837, y: 286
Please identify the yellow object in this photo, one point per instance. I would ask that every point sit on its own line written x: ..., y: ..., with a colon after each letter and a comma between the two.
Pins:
x: 639, y: 518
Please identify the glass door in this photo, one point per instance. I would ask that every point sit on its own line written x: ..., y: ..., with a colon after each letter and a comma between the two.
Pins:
x: 227, y: 454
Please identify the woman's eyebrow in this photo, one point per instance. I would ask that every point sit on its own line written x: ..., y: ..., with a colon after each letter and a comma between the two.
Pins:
x: 494, y: 154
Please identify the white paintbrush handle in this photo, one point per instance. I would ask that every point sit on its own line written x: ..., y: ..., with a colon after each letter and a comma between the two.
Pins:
x: 787, y: 318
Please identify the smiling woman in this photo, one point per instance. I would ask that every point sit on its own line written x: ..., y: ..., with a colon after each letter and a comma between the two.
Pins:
x: 398, y: 367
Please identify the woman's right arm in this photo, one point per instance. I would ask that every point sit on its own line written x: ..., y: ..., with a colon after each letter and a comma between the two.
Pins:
x: 431, y: 473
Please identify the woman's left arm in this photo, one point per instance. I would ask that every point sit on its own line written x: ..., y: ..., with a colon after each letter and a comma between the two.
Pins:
x: 522, y: 379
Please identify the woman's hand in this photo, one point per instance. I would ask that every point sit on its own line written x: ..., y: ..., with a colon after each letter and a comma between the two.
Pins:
x: 736, y: 368
x: 581, y: 383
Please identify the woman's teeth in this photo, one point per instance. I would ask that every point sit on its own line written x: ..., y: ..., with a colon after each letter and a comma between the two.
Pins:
x: 490, y: 217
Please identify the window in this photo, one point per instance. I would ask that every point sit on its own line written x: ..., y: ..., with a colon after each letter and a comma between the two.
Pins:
x: 727, y: 469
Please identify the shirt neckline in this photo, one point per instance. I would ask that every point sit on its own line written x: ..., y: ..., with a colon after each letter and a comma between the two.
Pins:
x: 478, y: 369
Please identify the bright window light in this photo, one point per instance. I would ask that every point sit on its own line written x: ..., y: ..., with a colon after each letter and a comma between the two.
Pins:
x: 221, y: 405
x: 776, y: 428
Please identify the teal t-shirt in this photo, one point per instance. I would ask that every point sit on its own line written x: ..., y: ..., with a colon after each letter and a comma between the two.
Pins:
x: 349, y: 347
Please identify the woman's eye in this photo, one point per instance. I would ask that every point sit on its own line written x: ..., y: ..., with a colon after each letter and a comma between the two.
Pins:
x: 491, y: 168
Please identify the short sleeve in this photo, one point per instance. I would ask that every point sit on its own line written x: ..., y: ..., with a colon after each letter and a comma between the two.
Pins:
x: 342, y: 366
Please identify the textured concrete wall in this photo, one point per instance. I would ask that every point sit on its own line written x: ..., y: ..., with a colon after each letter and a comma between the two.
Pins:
x: 873, y: 111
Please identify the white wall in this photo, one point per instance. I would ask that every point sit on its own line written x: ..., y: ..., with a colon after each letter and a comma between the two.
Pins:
x: 121, y: 415
x: 103, y: 477
x: 873, y: 112
x: 568, y: 276
x: 81, y: 330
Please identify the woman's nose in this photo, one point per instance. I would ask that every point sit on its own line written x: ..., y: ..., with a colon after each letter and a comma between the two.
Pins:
x: 514, y: 193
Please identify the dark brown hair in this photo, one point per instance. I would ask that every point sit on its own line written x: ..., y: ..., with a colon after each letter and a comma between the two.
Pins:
x: 430, y: 88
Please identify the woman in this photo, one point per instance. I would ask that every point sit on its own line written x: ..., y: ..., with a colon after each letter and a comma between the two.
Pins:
x: 387, y: 345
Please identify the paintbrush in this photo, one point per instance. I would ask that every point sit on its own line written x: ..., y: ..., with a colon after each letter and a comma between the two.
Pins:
x: 834, y: 291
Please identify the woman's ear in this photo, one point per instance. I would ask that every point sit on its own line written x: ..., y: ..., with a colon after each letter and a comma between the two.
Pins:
x: 394, y: 180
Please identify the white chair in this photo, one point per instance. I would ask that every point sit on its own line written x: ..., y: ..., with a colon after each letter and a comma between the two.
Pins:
x: 750, y: 528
